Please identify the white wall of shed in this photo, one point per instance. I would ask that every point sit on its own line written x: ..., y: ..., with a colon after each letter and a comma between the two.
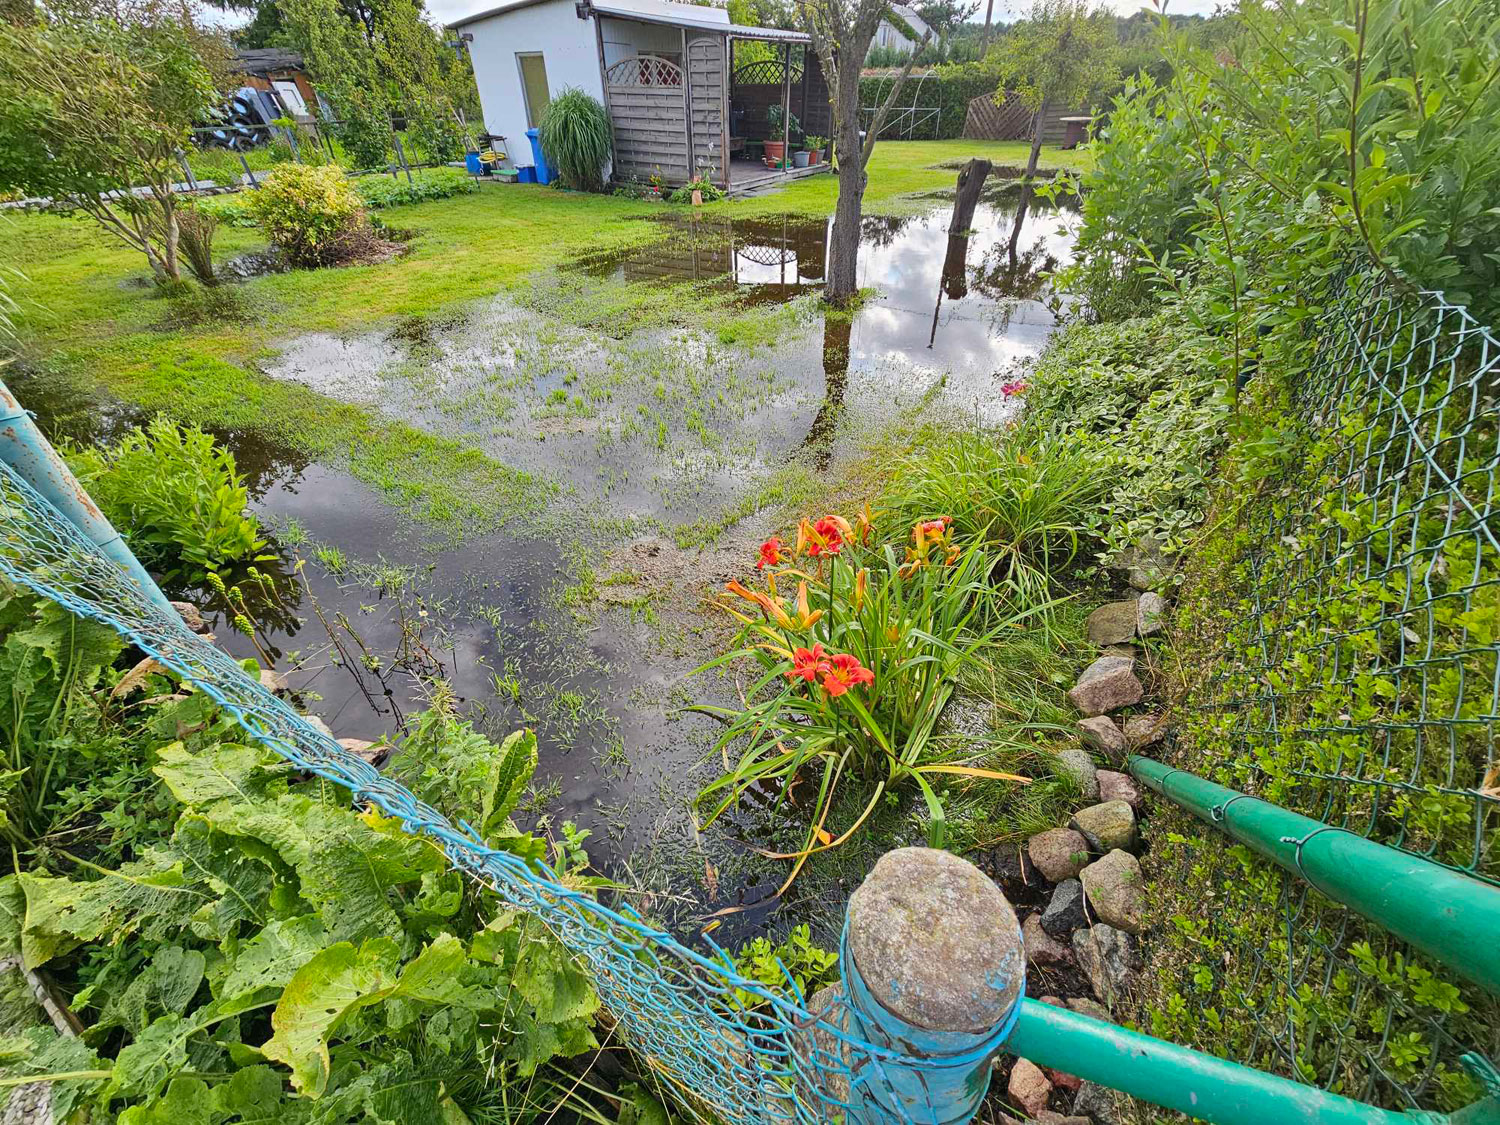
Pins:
x: 567, y: 46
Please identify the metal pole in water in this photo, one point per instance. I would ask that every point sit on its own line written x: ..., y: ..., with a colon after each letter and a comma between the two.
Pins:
x: 31, y: 456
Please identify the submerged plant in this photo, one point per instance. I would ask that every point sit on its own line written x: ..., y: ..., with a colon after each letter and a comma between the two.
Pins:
x: 175, y: 495
x: 855, y: 668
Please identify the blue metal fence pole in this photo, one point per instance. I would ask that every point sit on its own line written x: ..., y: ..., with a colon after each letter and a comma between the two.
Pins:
x: 932, y: 969
x: 27, y: 451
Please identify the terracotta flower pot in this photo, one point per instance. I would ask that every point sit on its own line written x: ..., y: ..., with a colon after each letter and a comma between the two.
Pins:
x: 775, y: 150
x: 815, y: 156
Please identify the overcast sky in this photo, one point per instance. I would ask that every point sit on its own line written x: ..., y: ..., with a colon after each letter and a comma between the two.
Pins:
x: 1005, y: 10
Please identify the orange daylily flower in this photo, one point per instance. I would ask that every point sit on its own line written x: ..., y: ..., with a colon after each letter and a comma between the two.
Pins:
x: 767, y: 604
x: 844, y: 671
x: 861, y: 581
x: 865, y: 523
x: 806, y: 617
x: 808, y: 663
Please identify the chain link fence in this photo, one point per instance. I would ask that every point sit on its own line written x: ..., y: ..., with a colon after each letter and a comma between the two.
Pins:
x: 1343, y: 628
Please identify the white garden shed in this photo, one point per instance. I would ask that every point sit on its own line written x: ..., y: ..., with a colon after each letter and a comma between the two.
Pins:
x: 666, y: 73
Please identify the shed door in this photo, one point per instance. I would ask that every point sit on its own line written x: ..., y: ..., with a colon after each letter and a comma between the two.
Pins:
x: 706, y: 89
x: 534, y: 86
x: 650, y: 118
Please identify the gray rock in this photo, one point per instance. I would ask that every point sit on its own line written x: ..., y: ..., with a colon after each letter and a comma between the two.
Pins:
x: 273, y: 682
x: 1058, y: 853
x: 1048, y: 1117
x: 1028, y: 1087
x: 317, y: 724
x: 1065, y: 910
x: 1086, y: 1006
x: 1150, y: 614
x: 190, y: 616
x: 1106, y: 684
x: 1113, y: 886
x: 1144, y: 730
x: 1144, y: 564
x: 1109, y: 959
x: 1119, y: 787
x: 1080, y: 767
x: 935, y: 940
x: 1103, y: 735
x: 1042, y: 949
x: 1112, y: 624
x: 1106, y: 826
x: 1099, y: 1104
x: 372, y: 752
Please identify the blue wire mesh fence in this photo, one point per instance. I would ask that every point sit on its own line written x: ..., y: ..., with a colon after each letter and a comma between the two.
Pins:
x: 1355, y: 679
x: 732, y: 1050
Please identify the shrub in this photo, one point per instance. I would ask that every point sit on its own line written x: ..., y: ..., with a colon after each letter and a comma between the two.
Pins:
x: 427, y: 184
x: 577, y: 138
x: 311, y: 213
x: 711, y: 192
x: 175, y: 495
x: 196, y: 241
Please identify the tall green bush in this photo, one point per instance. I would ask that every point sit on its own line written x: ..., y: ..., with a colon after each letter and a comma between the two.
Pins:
x: 577, y: 137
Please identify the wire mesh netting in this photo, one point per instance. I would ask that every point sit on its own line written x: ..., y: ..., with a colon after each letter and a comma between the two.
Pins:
x: 1357, y: 681
x: 732, y: 1049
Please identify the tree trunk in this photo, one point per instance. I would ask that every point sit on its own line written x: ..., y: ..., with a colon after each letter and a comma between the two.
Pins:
x: 843, y: 248
x: 169, y: 243
x: 1036, y: 139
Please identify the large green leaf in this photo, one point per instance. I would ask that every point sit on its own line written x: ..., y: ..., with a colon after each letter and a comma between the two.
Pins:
x: 342, y: 979
x: 12, y: 915
x: 216, y: 773
x: 152, y: 897
x: 273, y: 956
x: 241, y: 883
x: 187, y: 1101
x: 46, y: 1052
x: 508, y: 778
x: 166, y: 985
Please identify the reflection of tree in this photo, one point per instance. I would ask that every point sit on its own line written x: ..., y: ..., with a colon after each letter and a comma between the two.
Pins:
x: 1015, y: 275
x: 881, y: 230
x: 836, y: 329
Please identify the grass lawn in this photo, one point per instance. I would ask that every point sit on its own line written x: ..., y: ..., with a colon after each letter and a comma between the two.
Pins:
x: 87, y: 323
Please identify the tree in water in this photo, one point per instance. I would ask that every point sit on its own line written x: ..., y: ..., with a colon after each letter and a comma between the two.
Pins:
x: 841, y: 33
x: 1064, y: 52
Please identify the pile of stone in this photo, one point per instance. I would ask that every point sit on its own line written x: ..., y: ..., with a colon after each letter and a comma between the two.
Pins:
x: 1088, y: 925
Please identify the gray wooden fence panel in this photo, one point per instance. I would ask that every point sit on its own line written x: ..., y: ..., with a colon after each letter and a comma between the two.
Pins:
x: 706, y: 91
x: 647, y: 105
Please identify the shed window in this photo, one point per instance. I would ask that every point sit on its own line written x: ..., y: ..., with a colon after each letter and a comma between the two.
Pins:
x: 534, y: 86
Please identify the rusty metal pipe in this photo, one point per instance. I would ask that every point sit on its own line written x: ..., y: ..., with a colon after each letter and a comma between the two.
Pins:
x: 33, y: 459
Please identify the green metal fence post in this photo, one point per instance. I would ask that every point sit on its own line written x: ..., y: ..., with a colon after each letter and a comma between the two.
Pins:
x: 1448, y: 915
x: 1199, y: 1085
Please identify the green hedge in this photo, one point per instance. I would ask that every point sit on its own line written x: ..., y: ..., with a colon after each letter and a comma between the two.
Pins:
x: 949, y: 88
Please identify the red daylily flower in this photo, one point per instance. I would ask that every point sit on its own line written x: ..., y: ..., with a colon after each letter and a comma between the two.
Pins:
x: 771, y: 553
x: 842, y: 671
x: 825, y: 537
x: 808, y: 663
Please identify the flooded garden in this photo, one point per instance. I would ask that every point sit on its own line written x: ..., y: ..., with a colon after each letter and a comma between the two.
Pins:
x: 665, y: 447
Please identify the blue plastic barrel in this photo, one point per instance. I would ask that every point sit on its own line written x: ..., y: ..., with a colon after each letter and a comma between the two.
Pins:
x: 476, y: 166
x: 544, y: 171
x: 527, y: 174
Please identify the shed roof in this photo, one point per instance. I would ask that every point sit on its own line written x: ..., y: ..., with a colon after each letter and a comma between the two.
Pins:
x: 264, y: 60
x: 656, y: 11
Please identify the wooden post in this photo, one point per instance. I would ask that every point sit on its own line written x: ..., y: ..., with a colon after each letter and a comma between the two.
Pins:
x: 687, y: 108
x: 970, y: 184
x: 786, y: 108
x: 724, y: 77
x: 604, y: 85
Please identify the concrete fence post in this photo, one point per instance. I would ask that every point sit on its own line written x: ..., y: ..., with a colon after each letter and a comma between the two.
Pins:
x: 933, y: 968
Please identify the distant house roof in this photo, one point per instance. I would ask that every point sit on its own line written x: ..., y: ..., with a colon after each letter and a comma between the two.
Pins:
x: 656, y: 11
x: 263, y: 61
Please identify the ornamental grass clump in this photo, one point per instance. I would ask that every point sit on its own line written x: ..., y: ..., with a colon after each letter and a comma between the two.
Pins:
x: 577, y: 138
x: 312, y: 214
x: 858, y: 644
